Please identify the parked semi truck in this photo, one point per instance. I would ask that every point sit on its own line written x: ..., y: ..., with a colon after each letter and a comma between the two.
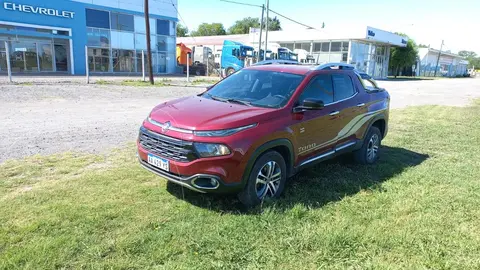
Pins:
x: 199, y: 57
x: 235, y: 56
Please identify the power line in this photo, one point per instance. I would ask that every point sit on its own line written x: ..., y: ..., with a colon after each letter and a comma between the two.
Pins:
x: 281, y: 15
x: 233, y: 2
x: 181, y: 18
x: 285, y: 17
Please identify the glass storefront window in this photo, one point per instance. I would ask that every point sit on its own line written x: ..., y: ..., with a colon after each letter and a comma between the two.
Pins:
x: 325, y: 47
x: 173, y: 28
x: 98, y: 18
x: 123, y: 40
x: 23, y: 57
x: 140, y: 24
x: 306, y: 46
x: 45, y: 57
x: 345, y: 46
x: 139, y: 61
x: 163, y: 27
x: 122, y: 22
x: 98, y: 60
x: 123, y: 61
x: 336, y: 47
x: 98, y: 38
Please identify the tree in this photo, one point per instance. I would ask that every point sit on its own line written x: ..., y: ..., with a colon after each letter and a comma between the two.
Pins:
x: 401, y: 57
x: 181, y: 30
x: 243, y: 26
x: 422, y: 45
x: 473, y: 60
x: 209, y: 29
x: 274, y: 24
x: 467, y: 54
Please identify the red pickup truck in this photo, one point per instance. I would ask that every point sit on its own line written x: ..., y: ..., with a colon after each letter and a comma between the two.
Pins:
x: 255, y: 129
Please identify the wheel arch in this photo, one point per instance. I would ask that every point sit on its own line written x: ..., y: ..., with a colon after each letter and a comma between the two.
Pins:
x: 283, y: 146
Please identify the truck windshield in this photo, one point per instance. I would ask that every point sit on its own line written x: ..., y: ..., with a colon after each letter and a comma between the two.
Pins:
x: 258, y: 88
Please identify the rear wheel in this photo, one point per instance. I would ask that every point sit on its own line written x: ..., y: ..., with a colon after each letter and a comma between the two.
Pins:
x: 266, y: 180
x: 369, y: 154
x: 230, y: 71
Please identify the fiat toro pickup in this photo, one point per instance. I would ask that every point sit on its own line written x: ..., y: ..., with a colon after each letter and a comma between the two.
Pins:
x: 257, y: 128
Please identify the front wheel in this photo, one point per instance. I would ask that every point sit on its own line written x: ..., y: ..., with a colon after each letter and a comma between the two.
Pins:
x: 369, y: 154
x: 267, y: 179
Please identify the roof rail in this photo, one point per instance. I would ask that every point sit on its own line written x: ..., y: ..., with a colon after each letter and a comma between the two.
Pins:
x: 276, y: 62
x: 334, y: 66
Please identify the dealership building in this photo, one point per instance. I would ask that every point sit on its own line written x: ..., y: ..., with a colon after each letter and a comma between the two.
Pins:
x: 366, y: 47
x: 62, y: 36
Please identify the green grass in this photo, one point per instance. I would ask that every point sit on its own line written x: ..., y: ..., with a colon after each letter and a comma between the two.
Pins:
x: 103, y: 82
x: 204, y: 81
x: 137, y: 83
x: 419, y: 207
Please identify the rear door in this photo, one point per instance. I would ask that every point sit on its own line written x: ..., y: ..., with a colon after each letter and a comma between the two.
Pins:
x: 350, y: 108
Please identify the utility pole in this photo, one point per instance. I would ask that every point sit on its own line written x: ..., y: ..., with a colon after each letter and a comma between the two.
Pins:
x: 266, y: 32
x: 149, y: 47
x: 438, y: 60
x: 260, y: 40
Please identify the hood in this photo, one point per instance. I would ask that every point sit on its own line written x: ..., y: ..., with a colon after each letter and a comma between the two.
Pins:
x: 197, y: 113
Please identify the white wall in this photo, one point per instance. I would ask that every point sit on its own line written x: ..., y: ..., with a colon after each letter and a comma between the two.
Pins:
x: 163, y: 8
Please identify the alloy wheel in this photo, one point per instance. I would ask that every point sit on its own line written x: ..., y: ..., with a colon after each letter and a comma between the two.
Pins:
x: 268, y: 180
x: 372, y: 148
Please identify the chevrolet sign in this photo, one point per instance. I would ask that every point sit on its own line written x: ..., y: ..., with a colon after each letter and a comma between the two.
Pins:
x: 38, y: 10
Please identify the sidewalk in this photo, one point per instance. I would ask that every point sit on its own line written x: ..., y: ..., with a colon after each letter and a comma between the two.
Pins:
x: 134, y: 80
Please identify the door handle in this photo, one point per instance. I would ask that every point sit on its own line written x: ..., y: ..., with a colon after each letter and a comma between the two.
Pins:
x: 334, y: 113
x: 360, y: 104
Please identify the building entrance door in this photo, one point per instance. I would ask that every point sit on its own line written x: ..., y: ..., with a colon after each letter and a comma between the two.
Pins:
x: 61, y: 57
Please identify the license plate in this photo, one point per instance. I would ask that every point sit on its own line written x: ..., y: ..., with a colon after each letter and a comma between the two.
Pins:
x: 158, y: 162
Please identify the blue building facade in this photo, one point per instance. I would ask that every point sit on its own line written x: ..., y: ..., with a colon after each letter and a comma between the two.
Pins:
x: 69, y: 36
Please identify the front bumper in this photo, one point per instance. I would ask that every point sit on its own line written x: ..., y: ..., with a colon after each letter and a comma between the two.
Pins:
x: 194, y: 182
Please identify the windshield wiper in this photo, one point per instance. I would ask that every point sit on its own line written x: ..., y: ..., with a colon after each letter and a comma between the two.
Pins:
x: 230, y: 100
x: 243, y: 102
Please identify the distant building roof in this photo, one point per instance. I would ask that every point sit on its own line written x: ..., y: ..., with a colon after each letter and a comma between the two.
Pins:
x: 307, y: 35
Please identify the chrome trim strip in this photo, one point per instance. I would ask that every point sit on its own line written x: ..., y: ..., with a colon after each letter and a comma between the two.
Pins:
x: 170, y: 179
x: 207, y: 188
x: 327, y: 154
x: 344, y: 146
x: 161, y: 125
x: 317, y: 158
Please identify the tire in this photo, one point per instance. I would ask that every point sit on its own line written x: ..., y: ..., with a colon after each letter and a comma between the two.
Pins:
x: 369, y: 153
x: 230, y: 71
x: 198, y: 72
x: 255, y: 191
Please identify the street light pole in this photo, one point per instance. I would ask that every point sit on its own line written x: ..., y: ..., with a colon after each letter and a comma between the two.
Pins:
x: 149, y: 47
x: 438, y: 60
x: 266, y: 31
x: 260, y: 40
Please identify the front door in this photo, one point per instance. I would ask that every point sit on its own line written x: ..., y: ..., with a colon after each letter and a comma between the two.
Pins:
x: 61, y: 57
x: 315, y: 130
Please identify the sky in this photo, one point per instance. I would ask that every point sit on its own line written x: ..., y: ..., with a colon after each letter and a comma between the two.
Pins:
x: 426, y: 21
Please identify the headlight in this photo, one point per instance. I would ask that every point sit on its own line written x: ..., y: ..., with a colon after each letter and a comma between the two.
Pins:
x: 221, y: 133
x: 211, y: 149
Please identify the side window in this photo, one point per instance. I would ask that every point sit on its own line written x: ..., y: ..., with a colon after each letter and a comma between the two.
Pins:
x: 319, y: 88
x: 343, y: 86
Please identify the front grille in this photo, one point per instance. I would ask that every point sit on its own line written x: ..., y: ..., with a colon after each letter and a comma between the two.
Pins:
x: 167, y: 147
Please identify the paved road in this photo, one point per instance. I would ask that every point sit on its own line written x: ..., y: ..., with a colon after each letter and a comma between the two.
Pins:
x: 49, y: 118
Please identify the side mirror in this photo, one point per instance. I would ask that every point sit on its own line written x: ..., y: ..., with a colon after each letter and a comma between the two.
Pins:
x: 309, y: 104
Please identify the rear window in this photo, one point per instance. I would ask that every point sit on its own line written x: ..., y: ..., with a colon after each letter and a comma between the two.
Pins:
x: 260, y: 88
x: 343, y: 86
